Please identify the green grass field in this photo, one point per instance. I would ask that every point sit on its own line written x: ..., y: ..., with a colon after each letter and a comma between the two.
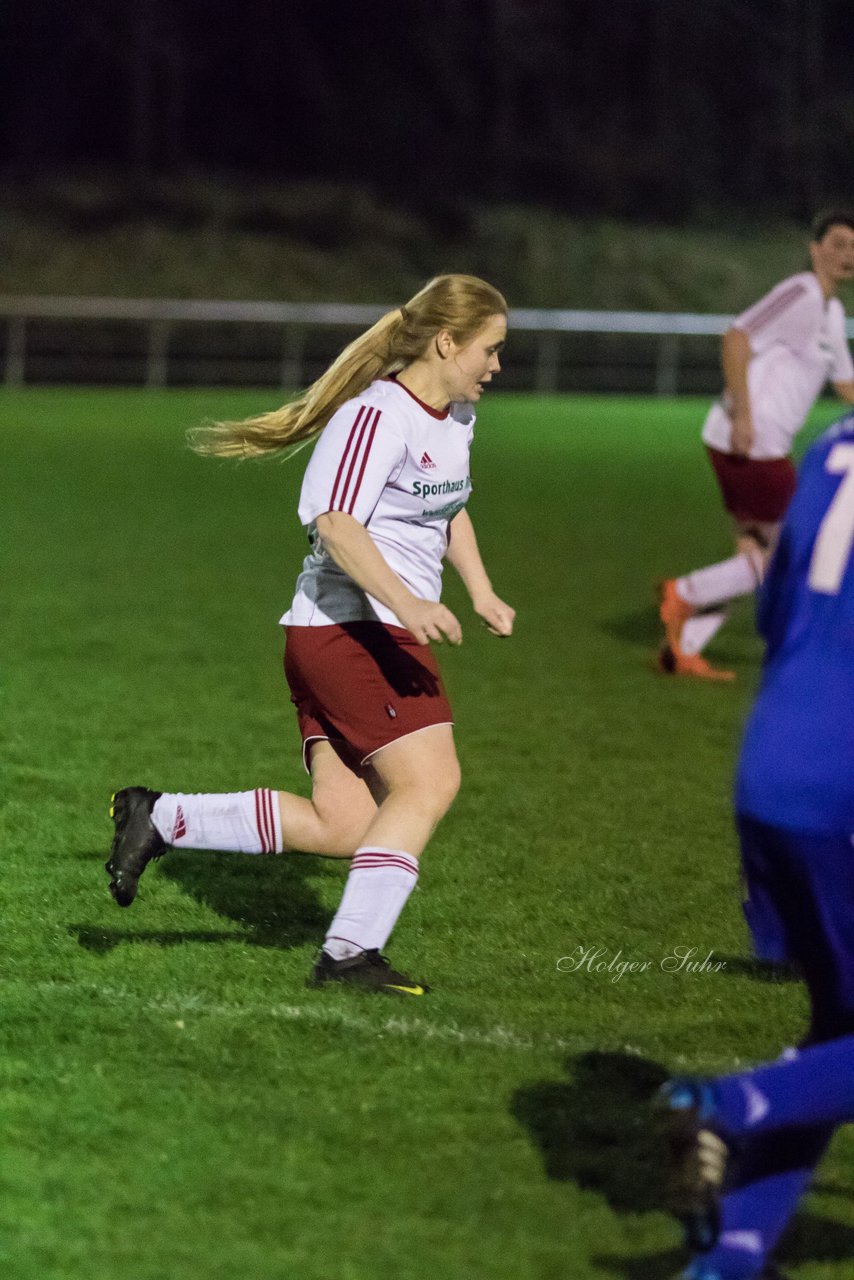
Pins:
x: 175, y: 1104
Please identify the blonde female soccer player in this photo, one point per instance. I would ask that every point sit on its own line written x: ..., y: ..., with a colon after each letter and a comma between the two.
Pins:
x: 383, y: 500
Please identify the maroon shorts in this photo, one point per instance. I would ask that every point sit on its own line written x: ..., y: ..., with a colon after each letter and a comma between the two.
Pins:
x: 362, y: 684
x: 754, y: 488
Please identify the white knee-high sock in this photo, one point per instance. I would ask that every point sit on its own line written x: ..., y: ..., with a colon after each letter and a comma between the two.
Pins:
x: 240, y: 821
x: 699, y: 630
x: 720, y: 582
x: 379, y: 883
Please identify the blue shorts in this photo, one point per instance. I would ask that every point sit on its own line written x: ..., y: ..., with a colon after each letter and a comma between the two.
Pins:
x: 800, y: 907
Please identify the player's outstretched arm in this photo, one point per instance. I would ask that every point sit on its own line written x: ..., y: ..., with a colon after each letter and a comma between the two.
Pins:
x: 354, y: 550
x: 463, y: 553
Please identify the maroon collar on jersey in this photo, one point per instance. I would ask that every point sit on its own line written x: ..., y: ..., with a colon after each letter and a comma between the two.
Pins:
x: 434, y: 413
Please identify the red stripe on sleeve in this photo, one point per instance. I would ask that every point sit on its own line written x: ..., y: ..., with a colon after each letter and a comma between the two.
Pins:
x: 369, y: 442
x: 354, y: 458
x: 775, y: 307
x: 353, y: 431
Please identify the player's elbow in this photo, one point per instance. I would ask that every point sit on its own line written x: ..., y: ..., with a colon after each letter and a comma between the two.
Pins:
x: 333, y: 525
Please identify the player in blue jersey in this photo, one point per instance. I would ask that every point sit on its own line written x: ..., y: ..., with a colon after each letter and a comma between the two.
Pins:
x: 744, y: 1146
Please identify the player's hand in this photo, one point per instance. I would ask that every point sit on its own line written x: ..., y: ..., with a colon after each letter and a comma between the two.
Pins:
x: 496, y: 616
x: 428, y: 620
x: 741, y: 440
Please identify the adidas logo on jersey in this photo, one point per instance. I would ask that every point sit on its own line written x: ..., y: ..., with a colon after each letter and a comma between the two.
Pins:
x: 427, y: 462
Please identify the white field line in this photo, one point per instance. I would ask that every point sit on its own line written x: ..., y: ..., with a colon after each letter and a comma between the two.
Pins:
x: 496, y: 1037
x: 195, y: 1004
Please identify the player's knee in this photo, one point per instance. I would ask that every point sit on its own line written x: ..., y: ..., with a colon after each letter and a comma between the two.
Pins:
x: 757, y: 552
x: 758, y: 557
x: 433, y: 794
x: 756, y: 535
x: 451, y: 785
x: 445, y: 786
x: 340, y: 844
x: 342, y: 831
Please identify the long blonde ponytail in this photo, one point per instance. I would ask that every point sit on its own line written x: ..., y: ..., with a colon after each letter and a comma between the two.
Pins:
x: 460, y: 304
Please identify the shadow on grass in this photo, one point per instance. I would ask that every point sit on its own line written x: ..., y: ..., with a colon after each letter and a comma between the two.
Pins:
x: 595, y: 1129
x: 271, y: 898
x: 665, y: 1265
x: 814, y: 1238
x: 100, y: 941
x: 598, y: 1130
x: 642, y: 629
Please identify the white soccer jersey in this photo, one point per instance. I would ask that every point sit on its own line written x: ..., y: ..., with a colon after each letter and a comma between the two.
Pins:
x: 402, y: 470
x: 798, y: 341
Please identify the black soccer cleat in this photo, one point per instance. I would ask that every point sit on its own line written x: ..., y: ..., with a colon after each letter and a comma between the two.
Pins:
x: 136, y: 842
x: 698, y: 1159
x: 368, y: 970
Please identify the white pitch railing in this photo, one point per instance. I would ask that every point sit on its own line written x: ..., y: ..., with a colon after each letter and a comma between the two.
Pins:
x: 294, y: 318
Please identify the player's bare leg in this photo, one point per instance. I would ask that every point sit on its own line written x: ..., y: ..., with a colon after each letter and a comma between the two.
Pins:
x: 331, y: 822
x: 687, y: 630
x: 694, y: 608
x: 382, y: 816
x: 420, y: 777
x: 336, y: 817
x: 756, y: 539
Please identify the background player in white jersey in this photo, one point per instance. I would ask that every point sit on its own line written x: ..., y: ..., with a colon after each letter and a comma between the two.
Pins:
x: 777, y: 357
x: 383, y: 499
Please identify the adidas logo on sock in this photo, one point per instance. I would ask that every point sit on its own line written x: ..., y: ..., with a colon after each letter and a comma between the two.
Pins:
x: 427, y: 462
x: 180, y: 827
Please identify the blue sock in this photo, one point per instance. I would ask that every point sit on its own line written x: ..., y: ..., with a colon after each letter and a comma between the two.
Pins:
x: 814, y: 1088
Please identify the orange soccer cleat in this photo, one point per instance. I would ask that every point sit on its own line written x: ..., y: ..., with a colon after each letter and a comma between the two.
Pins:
x: 673, y: 611
x: 673, y: 663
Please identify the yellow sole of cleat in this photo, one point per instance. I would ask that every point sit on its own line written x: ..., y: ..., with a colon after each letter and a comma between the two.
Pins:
x: 113, y: 805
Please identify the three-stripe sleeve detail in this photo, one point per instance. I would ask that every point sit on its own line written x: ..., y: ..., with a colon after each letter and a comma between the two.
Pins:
x: 774, y: 307
x: 354, y: 460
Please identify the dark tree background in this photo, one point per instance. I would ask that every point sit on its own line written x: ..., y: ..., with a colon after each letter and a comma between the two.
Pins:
x: 646, y: 108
